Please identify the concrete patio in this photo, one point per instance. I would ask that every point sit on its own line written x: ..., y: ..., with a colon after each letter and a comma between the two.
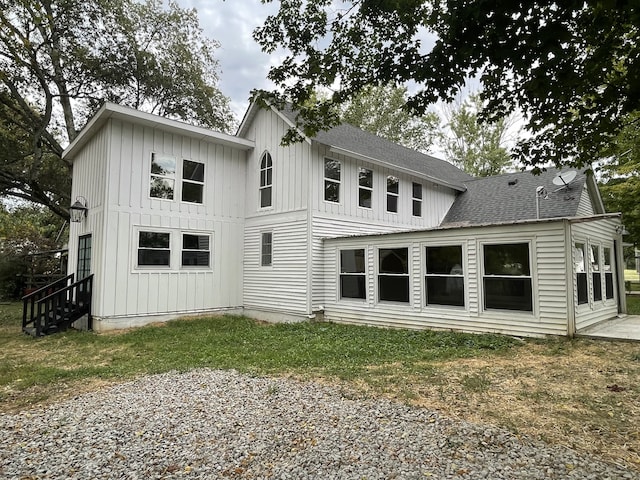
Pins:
x: 625, y: 327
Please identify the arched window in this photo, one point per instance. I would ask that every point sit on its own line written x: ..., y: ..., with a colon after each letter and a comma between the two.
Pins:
x: 266, y: 179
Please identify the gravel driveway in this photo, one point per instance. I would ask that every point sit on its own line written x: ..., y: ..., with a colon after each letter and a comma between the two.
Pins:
x: 215, y: 424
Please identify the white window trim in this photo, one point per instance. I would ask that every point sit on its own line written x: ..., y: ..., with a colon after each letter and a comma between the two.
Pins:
x: 415, y: 199
x: 465, y: 276
x: 262, y: 187
x: 591, y: 270
x: 182, y: 249
x: 339, y: 297
x: 408, y: 274
x: 260, y: 254
x: 195, y: 182
x: 393, y: 194
x: 136, y: 241
x: 361, y: 187
x: 152, y: 175
x: 325, y: 179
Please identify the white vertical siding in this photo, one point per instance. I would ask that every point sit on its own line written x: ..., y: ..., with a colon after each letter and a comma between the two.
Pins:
x: 585, y: 206
x: 549, y: 316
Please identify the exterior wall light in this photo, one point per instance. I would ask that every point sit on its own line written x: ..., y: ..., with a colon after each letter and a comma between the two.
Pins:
x: 78, y: 211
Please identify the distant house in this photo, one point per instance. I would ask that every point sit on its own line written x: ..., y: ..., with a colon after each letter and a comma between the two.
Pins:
x: 344, y: 226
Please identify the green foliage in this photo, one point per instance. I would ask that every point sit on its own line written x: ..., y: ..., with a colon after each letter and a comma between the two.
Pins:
x: 61, y: 59
x: 571, y: 68
x: 474, y: 146
x: 381, y: 110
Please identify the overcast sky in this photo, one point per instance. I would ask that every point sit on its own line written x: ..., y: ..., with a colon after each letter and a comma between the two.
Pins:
x: 244, y: 66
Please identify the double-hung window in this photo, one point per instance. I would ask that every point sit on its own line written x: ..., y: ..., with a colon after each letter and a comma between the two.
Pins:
x: 393, y: 185
x: 352, y: 274
x: 595, y: 272
x: 192, y: 181
x: 331, y: 180
x: 507, y: 277
x: 581, y: 273
x: 266, y: 249
x: 365, y: 187
x: 393, y: 274
x: 266, y: 179
x: 417, y: 199
x: 195, y: 250
x: 163, y: 176
x: 608, y: 273
x: 444, y: 278
x: 154, y: 249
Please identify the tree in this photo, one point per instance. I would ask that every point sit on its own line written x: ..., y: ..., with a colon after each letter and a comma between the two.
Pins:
x: 475, y: 147
x: 380, y: 110
x: 620, y: 184
x: 572, y: 68
x: 61, y: 59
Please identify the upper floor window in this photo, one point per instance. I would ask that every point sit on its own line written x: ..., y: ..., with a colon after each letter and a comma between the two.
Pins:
x: 365, y: 187
x: 331, y: 180
x: 392, y: 193
x: 195, y: 250
x: 352, y: 274
x: 192, y: 181
x: 507, y: 277
x: 444, y: 279
x: 266, y: 249
x: 154, y: 249
x: 266, y: 179
x: 163, y: 174
x: 393, y: 274
x: 417, y: 199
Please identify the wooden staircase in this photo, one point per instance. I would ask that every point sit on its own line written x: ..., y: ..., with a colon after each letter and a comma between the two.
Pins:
x: 55, y: 307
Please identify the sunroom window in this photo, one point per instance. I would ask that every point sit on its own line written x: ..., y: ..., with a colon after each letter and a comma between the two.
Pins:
x: 352, y: 274
x: 507, y: 277
x: 444, y: 279
x: 581, y: 273
x: 608, y: 273
x: 393, y: 274
x: 595, y: 272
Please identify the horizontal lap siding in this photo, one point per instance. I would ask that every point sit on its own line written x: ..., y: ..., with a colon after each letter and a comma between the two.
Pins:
x: 550, y: 312
x: 595, y: 233
x: 283, y: 286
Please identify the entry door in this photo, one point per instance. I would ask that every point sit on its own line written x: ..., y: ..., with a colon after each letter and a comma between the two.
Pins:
x: 84, y: 257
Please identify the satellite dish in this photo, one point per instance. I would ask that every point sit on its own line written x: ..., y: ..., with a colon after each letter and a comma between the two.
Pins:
x: 563, y: 179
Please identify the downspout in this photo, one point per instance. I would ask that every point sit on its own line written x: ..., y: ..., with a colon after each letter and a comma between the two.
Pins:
x: 570, y: 279
x: 619, y: 265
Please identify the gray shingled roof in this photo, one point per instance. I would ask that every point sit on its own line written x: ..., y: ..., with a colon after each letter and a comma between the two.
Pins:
x: 512, y: 197
x: 353, y: 139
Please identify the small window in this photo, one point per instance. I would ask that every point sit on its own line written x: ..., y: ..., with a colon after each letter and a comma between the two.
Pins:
x: 444, y: 280
x: 163, y: 174
x: 581, y: 273
x: 595, y: 272
x: 192, y: 181
x: 392, y: 194
x: 331, y: 180
x: 154, y: 249
x: 365, y: 187
x: 608, y: 273
x: 266, y: 180
x: 417, y: 199
x: 352, y: 274
x: 507, y: 277
x: 266, y: 249
x: 393, y: 274
x: 195, y: 250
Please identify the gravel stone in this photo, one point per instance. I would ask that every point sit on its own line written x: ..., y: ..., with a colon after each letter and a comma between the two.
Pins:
x: 218, y: 424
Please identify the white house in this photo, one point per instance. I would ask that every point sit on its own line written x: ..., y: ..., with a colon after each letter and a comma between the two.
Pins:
x: 345, y: 226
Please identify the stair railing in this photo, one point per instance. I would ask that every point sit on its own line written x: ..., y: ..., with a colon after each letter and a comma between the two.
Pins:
x: 29, y: 300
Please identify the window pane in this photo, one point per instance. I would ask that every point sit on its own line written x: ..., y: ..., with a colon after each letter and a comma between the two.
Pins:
x: 195, y: 258
x: 331, y: 191
x: 195, y: 242
x: 332, y: 169
x: 266, y: 160
x: 153, y: 257
x: 597, y: 286
x: 608, y: 280
x: 352, y: 286
x: 163, y: 165
x: 392, y: 184
x: 417, y: 208
x: 266, y: 249
x: 392, y: 203
x: 352, y: 261
x: 417, y: 191
x: 265, y: 197
x: 161, y: 188
x: 393, y: 288
x: 445, y: 291
x: 507, y: 259
x: 364, y: 198
x: 581, y: 281
x: 154, y: 240
x: 508, y: 293
x: 365, y: 178
x: 393, y: 260
x: 192, y: 192
x: 444, y: 260
x: 193, y: 171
